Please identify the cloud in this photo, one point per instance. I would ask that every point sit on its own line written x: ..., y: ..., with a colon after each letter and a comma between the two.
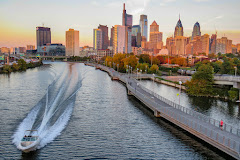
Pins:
x: 201, y: 0
x: 165, y: 2
x: 212, y: 20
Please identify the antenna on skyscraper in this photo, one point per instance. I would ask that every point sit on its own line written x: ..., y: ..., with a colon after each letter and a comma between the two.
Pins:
x: 179, y: 16
x: 43, y: 24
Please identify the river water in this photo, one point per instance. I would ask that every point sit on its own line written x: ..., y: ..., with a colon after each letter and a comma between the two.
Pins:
x: 82, y: 114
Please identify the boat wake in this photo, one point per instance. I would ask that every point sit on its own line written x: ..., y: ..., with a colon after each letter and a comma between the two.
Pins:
x: 52, y: 113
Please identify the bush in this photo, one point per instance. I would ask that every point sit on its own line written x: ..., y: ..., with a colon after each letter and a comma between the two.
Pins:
x: 7, y: 69
x: 233, y: 94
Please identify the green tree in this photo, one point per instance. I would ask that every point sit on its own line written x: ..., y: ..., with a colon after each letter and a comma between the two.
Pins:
x: 201, y: 82
x: 22, y: 65
x: 7, y: 69
x: 154, y: 68
x: 15, y: 67
x: 144, y: 58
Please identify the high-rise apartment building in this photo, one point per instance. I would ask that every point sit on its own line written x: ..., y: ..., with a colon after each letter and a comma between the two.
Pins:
x: 180, y: 42
x: 196, y: 30
x: 105, y: 39
x: 238, y: 47
x: 72, y: 42
x: 97, y: 39
x: 155, y: 36
x: 221, y: 46
x: 144, y: 26
x: 43, y: 36
x: 178, y: 29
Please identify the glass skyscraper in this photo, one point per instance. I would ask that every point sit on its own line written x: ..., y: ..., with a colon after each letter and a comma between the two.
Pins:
x: 144, y: 26
x: 196, y: 30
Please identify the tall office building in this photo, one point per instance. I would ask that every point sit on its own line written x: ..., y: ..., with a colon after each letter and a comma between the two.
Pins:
x: 105, y: 39
x: 136, y: 32
x: 112, y: 35
x: 126, y: 18
x: 205, y: 44
x: 155, y: 36
x: 196, y: 30
x: 178, y: 29
x: 72, y: 42
x: 43, y: 36
x: 144, y: 26
x: 97, y: 39
x: 213, y: 43
x: 121, y: 40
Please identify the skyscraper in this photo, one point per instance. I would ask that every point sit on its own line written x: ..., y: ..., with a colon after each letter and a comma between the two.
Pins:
x: 105, y: 39
x: 112, y: 35
x: 196, y: 30
x: 144, y: 26
x: 213, y: 43
x: 126, y: 18
x: 205, y: 44
x: 136, y: 31
x: 43, y: 36
x: 72, y: 43
x: 178, y: 29
x: 155, y: 36
x: 97, y: 39
x: 121, y: 39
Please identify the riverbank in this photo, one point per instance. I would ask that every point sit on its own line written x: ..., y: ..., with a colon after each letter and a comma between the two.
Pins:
x: 20, y: 66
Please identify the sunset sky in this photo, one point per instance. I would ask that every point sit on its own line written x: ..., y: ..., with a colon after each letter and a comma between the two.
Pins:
x: 19, y: 18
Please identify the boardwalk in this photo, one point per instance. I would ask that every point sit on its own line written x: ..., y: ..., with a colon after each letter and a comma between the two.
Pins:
x: 201, y: 126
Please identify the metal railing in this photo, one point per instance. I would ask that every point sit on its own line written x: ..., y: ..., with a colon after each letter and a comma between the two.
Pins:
x: 215, y: 135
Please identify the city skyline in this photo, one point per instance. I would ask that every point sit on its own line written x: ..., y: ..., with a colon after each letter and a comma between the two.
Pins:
x: 18, y: 26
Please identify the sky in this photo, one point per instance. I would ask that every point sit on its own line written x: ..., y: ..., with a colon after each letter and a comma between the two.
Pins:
x: 19, y: 18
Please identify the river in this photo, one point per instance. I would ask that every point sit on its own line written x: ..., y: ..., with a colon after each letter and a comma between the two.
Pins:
x: 88, y: 116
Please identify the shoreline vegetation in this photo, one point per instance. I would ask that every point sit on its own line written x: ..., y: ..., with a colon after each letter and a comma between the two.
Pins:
x: 20, y: 66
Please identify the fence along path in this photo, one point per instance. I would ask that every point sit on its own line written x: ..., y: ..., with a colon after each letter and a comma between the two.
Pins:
x: 203, y: 127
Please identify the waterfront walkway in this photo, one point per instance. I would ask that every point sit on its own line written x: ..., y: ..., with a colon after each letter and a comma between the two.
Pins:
x: 201, y: 126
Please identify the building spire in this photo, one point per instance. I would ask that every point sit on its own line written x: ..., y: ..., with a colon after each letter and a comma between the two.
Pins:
x: 179, y: 16
x: 123, y: 6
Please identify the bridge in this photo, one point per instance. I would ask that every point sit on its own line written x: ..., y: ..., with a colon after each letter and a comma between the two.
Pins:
x: 207, y: 129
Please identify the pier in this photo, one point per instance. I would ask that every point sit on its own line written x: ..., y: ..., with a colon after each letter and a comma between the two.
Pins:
x: 207, y: 129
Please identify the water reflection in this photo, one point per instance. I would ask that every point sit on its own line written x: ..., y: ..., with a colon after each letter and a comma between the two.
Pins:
x: 217, y: 109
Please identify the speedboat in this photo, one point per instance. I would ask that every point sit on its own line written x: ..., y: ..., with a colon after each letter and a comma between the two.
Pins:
x: 30, y: 141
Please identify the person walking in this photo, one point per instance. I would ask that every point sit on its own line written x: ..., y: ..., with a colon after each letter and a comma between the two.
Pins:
x: 221, y: 124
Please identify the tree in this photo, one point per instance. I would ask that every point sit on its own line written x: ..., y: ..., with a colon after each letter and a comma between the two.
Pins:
x: 216, y: 66
x: 201, y: 82
x: 154, y: 68
x: 15, y: 67
x: 22, y: 65
x: 155, y: 61
x: 131, y: 61
x: 212, y: 56
x: 109, y: 61
x: 118, y: 60
x: 144, y: 58
x: 7, y: 69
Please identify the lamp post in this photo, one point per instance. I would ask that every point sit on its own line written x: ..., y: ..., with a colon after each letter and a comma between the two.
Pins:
x: 153, y: 79
x: 127, y: 68
x: 110, y: 64
x: 137, y: 73
x: 235, y: 70
x: 146, y: 69
x: 117, y: 66
x: 140, y: 75
x: 180, y: 82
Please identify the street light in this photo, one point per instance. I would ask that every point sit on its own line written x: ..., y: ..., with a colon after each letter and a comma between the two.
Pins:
x: 153, y: 79
x: 137, y: 73
x: 140, y: 75
x: 235, y: 71
x: 180, y: 82
x: 117, y: 66
x: 146, y: 69
x: 127, y: 68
